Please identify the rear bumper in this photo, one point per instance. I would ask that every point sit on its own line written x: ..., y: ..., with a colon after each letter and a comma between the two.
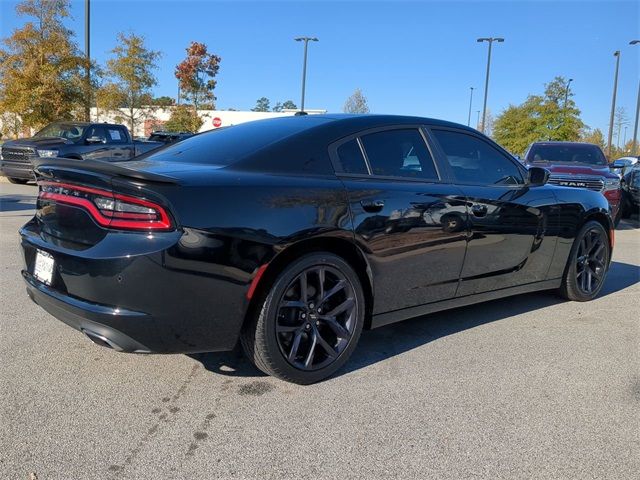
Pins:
x: 95, y: 321
x: 138, y: 293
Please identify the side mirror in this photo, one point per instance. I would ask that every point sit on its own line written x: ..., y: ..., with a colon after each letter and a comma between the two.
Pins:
x: 92, y: 140
x: 538, y: 176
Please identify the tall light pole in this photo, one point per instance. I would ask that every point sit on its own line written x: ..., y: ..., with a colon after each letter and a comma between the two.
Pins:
x: 566, y: 94
x: 486, y: 82
x: 87, y: 53
x: 613, y: 103
x: 306, y: 41
x: 470, y: 102
x: 634, y: 145
x: 478, y: 120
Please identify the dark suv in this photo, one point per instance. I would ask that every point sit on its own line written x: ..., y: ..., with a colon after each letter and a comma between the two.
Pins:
x: 580, y: 165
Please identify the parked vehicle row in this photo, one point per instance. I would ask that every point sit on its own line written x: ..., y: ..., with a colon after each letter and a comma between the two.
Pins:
x: 292, y: 235
x: 77, y: 140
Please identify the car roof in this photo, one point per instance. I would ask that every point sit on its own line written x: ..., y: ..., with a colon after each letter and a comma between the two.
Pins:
x: 376, y: 119
x: 557, y: 142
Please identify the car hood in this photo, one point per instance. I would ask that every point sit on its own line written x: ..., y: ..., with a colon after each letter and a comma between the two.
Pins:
x: 38, y: 142
x: 564, y: 169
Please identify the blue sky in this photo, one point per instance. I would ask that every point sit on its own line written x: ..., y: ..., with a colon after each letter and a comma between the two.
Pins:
x: 417, y: 57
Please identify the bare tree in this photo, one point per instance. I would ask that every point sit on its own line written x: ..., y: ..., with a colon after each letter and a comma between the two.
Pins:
x: 620, y: 120
x: 356, y: 103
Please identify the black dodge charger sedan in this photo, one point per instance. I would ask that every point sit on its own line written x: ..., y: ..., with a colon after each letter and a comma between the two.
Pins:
x: 292, y: 235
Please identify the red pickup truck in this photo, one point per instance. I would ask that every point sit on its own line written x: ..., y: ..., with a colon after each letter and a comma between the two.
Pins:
x: 578, y: 165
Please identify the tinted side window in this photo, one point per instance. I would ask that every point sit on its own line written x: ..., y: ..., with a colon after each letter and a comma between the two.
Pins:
x: 473, y: 160
x: 99, y: 132
x: 399, y: 153
x: 116, y: 135
x: 351, y: 159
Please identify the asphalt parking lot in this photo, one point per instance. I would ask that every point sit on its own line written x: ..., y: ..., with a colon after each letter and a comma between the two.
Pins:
x: 526, y: 387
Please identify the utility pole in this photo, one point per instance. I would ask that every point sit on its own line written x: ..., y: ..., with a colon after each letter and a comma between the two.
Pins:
x: 470, y: 102
x: 87, y: 53
x: 634, y: 145
x: 486, y: 82
x: 613, y: 104
x: 306, y: 41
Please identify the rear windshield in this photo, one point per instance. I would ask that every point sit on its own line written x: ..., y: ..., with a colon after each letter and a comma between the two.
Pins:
x: 584, y: 154
x: 229, y: 144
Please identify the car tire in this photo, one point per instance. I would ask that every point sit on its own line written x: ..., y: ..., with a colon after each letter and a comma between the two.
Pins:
x: 587, y: 264
x: 17, y: 181
x: 293, y: 320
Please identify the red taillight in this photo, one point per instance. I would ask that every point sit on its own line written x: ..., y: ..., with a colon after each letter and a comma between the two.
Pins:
x: 109, y: 209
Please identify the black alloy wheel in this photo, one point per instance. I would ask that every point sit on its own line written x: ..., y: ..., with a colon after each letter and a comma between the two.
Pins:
x: 588, y: 263
x: 316, y: 317
x: 308, y: 322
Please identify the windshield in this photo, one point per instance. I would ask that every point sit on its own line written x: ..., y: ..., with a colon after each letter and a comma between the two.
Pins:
x: 70, y: 131
x: 585, y: 154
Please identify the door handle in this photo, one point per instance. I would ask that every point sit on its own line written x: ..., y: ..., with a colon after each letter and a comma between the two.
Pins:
x: 479, y: 210
x: 372, y: 206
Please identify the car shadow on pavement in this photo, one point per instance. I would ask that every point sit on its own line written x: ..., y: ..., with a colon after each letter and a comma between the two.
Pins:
x: 17, y: 203
x: 383, y: 343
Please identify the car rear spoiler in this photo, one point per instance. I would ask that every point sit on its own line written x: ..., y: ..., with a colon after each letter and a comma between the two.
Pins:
x: 115, y: 169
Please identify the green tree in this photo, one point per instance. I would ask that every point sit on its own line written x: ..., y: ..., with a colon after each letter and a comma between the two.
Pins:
x: 196, y: 75
x: 130, y: 80
x: 163, y: 101
x: 183, y: 119
x: 593, y: 136
x: 287, y: 105
x: 540, y: 117
x: 41, y: 68
x: 262, y: 105
x: 356, y: 103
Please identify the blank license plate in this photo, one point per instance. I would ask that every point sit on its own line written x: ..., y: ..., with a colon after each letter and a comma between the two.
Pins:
x: 43, y: 269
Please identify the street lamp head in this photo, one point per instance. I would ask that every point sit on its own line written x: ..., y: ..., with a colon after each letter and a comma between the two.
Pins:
x: 499, y: 39
x: 483, y: 39
x: 307, y: 39
x: 616, y: 53
x: 634, y: 42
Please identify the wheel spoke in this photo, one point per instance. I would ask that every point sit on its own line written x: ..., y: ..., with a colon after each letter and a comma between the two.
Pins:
x: 328, y: 348
x: 588, y: 242
x: 294, y: 346
x: 596, y: 274
x: 321, y: 278
x: 303, y: 287
x: 343, y: 307
x: 292, y: 304
x: 338, y: 329
x: 312, y: 349
x: 286, y: 328
x: 335, y: 289
x: 589, y: 279
x: 598, y: 250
